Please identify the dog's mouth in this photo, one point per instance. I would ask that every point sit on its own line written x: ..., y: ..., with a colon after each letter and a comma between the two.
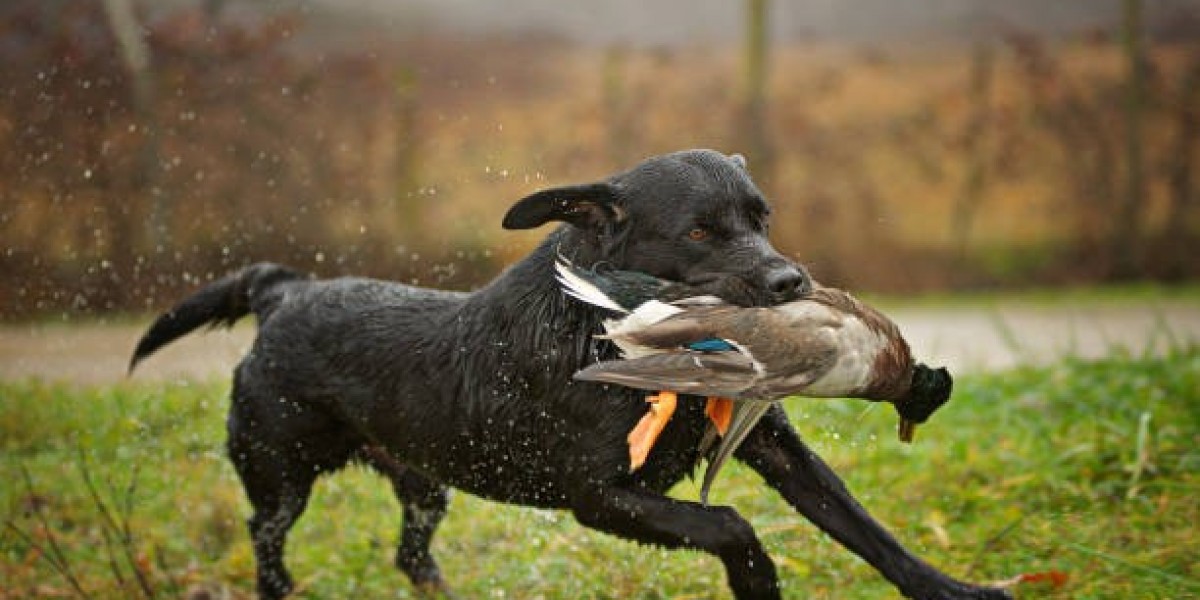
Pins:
x: 743, y: 291
x: 705, y: 279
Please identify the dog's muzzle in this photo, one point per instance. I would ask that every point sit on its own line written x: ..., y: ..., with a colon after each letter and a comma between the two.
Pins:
x: 788, y: 282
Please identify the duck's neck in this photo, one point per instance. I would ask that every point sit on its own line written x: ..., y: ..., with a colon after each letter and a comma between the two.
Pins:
x: 892, y: 372
x: 892, y: 369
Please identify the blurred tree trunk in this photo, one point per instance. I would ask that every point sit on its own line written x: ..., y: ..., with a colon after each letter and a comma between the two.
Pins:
x: 754, y: 120
x: 975, y: 147
x: 1077, y: 121
x: 1126, y: 232
x: 212, y: 9
x: 616, y: 106
x: 409, y: 218
x: 135, y: 53
x: 1181, y: 191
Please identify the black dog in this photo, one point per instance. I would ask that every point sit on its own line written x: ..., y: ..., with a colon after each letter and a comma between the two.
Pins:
x: 474, y: 391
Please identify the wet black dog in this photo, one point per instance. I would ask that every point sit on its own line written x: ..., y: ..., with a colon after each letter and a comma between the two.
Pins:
x: 474, y: 391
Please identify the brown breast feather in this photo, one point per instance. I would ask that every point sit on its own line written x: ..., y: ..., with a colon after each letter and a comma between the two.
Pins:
x: 893, y: 366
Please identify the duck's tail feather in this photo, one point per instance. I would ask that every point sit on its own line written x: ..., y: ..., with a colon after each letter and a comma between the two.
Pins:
x: 746, y: 414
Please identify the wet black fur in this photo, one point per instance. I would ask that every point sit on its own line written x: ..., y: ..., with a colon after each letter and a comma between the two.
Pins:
x: 440, y: 389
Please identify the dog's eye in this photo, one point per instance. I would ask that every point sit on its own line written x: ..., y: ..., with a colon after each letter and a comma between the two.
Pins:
x: 697, y: 234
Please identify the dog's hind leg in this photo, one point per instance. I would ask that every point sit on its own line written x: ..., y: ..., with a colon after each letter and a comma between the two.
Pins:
x: 425, y: 503
x: 278, y: 494
x: 279, y: 448
x: 775, y: 450
x: 653, y: 519
x: 275, y: 511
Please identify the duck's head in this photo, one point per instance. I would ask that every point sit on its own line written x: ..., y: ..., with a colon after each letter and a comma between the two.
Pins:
x: 930, y: 389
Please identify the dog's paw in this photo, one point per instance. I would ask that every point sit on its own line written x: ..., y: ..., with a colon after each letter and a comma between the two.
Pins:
x: 964, y: 591
x: 435, y: 590
x: 942, y: 588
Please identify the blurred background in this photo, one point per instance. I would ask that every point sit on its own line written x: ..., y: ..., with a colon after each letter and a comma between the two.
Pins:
x: 1016, y: 183
x: 147, y: 146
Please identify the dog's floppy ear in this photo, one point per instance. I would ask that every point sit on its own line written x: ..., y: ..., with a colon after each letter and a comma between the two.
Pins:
x: 585, y: 206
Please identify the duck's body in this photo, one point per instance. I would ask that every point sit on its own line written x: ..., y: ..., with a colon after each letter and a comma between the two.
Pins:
x: 827, y: 344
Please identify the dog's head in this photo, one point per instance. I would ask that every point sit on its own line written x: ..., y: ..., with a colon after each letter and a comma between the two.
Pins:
x: 694, y: 217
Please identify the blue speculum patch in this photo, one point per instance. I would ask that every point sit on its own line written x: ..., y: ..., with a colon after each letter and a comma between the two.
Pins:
x: 711, y: 345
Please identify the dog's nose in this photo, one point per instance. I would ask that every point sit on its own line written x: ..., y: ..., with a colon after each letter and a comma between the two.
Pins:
x: 788, y: 282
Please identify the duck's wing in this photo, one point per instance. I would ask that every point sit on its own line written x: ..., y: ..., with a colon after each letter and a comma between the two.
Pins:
x: 722, y: 373
x: 693, y: 320
x: 722, y: 350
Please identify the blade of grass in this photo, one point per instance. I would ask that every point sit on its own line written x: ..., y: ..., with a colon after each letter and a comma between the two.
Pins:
x: 989, y: 543
x: 51, y: 551
x: 1008, y: 337
x: 116, y: 527
x: 1142, y: 460
x: 1132, y: 566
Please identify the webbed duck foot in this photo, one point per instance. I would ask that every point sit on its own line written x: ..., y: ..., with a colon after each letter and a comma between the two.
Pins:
x: 642, y: 437
x: 720, y: 412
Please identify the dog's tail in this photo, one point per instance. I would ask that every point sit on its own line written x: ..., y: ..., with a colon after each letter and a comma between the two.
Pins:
x: 220, y: 303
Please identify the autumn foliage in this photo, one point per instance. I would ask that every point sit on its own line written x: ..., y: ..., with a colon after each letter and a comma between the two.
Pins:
x: 261, y: 138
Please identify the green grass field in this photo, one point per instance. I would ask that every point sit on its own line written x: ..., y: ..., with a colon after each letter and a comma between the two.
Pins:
x: 1088, y: 468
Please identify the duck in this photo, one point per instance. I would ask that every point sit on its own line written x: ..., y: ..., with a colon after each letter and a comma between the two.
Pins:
x: 827, y: 344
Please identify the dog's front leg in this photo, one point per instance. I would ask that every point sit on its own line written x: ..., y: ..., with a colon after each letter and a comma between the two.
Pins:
x: 652, y: 519
x: 808, y: 484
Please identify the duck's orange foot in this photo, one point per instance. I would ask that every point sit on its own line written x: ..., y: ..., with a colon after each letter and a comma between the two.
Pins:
x: 720, y: 412
x: 641, y: 439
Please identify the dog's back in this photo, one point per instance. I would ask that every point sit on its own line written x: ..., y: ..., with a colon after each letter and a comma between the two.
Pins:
x: 264, y: 288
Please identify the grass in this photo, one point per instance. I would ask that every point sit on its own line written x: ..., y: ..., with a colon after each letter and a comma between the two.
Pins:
x: 1089, y: 468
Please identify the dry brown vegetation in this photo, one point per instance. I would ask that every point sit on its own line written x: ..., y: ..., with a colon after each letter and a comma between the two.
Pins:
x: 890, y: 170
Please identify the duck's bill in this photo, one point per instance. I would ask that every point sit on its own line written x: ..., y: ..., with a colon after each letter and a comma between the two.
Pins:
x: 907, y: 429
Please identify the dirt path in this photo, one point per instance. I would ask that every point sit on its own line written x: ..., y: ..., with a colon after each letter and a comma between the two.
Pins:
x: 965, y: 338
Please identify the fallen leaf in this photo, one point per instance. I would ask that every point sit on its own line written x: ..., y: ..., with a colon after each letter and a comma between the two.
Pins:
x: 1056, y: 579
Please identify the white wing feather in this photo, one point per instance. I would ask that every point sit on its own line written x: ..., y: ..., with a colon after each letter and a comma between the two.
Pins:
x: 645, y: 315
x: 642, y: 317
x: 581, y: 289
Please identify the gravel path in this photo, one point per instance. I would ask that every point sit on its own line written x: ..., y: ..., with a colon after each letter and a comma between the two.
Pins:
x: 962, y: 337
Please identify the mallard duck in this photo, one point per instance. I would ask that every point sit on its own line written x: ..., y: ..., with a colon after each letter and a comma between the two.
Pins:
x: 827, y: 344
